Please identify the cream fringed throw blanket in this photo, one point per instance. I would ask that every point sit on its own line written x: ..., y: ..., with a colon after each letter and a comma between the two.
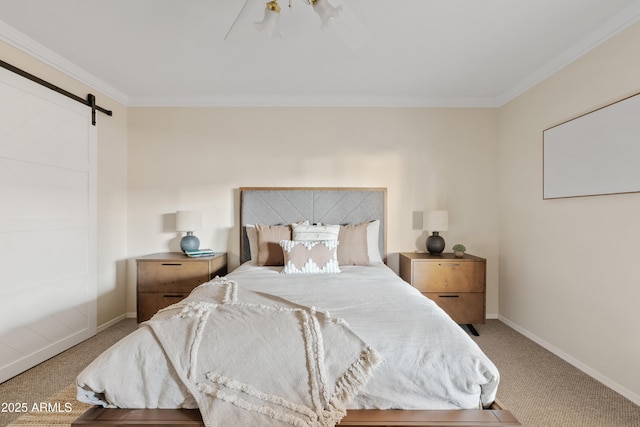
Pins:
x: 252, y: 359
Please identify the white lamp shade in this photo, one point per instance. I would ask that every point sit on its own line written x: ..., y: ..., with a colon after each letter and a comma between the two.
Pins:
x: 437, y: 221
x: 188, y: 220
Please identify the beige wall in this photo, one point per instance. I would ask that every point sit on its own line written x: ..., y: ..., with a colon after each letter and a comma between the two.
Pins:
x: 112, y: 212
x: 196, y: 158
x: 112, y: 187
x: 568, y: 272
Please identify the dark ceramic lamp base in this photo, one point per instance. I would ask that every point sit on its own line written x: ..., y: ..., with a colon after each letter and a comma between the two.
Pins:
x: 435, y: 244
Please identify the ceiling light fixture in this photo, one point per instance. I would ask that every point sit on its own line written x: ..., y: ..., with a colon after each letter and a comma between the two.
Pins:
x: 270, y: 22
x: 335, y: 17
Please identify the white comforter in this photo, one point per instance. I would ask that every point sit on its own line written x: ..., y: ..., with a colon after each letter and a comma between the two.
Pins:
x: 430, y: 362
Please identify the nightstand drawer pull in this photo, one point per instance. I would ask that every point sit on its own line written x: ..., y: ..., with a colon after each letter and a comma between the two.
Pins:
x: 448, y: 296
x: 172, y: 263
x: 173, y: 296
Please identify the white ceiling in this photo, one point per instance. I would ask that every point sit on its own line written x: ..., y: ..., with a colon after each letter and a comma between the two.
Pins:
x: 419, y: 52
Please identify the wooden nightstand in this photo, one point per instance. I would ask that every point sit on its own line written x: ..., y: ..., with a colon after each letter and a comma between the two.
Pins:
x: 456, y: 284
x: 166, y: 278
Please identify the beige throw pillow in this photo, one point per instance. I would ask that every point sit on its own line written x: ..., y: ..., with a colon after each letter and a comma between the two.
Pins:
x: 269, y: 237
x: 353, y: 248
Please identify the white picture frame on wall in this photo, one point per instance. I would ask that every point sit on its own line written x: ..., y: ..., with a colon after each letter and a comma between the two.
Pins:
x: 596, y: 153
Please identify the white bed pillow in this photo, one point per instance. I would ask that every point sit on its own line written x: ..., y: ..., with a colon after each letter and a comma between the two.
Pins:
x: 308, y: 232
x: 373, y: 235
x: 252, y: 235
x: 304, y: 257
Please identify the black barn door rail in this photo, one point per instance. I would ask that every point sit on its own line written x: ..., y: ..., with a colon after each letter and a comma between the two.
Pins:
x: 90, y: 101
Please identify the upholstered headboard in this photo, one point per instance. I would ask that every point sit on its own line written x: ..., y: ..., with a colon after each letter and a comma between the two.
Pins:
x: 272, y: 206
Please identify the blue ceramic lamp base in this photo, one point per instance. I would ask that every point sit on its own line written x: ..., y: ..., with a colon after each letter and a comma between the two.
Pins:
x: 189, y: 242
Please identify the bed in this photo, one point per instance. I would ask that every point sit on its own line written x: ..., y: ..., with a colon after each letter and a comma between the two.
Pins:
x: 347, y: 337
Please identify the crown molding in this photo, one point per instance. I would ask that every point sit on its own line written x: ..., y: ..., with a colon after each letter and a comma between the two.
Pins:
x: 311, y: 101
x: 604, y: 32
x: 31, y: 47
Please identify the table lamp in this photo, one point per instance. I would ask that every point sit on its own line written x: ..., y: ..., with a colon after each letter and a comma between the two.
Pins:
x: 189, y: 221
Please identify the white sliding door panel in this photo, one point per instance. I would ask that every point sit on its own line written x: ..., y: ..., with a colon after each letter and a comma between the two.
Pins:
x: 42, y: 197
x: 47, y: 224
x: 50, y: 136
x: 18, y: 259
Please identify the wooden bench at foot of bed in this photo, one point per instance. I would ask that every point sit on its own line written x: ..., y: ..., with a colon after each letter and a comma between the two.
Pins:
x: 101, y: 417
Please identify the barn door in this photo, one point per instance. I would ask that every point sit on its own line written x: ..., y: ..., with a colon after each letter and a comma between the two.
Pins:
x: 47, y: 224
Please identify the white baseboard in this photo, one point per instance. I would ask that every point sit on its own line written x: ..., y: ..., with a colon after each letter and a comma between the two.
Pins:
x: 39, y: 355
x: 110, y: 322
x: 598, y: 376
x: 116, y: 320
x: 491, y: 316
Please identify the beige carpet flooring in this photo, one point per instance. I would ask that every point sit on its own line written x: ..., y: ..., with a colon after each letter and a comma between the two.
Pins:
x: 539, y: 388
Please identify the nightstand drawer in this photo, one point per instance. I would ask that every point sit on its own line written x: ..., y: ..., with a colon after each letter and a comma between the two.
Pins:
x: 150, y: 302
x: 462, y: 307
x: 171, y: 276
x: 449, y: 276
